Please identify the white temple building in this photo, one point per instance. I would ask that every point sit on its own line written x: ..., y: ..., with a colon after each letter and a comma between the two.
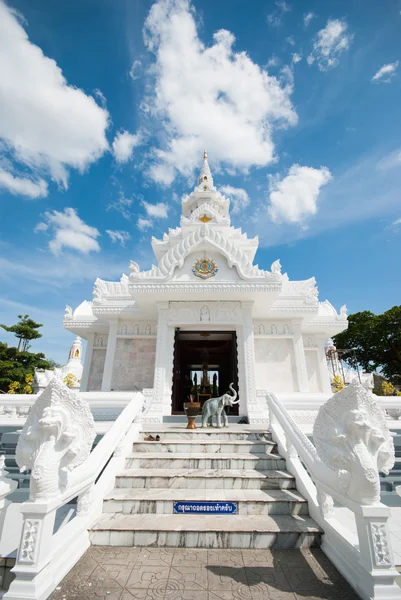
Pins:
x: 204, y: 316
x: 73, y: 367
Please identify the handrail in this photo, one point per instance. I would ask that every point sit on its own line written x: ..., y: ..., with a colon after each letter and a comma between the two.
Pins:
x: 45, y: 556
x: 365, y: 560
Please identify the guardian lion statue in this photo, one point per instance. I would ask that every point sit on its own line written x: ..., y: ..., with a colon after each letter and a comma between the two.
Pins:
x: 215, y: 407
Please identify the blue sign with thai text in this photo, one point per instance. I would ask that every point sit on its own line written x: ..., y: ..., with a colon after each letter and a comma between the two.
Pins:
x: 211, y: 508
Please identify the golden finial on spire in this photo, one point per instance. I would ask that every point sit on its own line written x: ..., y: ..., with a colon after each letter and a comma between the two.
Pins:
x: 204, y: 154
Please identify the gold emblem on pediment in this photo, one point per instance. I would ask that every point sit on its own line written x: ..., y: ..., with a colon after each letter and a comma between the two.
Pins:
x: 205, y: 268
x: 205, y: 219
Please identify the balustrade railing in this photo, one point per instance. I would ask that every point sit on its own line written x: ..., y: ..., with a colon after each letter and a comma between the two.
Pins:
x: 352, y: 442
x: 56, y: 445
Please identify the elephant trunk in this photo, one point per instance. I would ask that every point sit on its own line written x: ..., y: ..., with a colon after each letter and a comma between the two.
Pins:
x: 234, y: 392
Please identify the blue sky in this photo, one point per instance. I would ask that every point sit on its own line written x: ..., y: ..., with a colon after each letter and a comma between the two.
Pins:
x: 107, y: 106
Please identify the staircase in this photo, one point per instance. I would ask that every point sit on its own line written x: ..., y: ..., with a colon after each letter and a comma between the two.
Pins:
x: 235, y: 465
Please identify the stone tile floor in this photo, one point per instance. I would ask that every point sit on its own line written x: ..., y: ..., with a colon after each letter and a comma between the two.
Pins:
x: 113, y: 573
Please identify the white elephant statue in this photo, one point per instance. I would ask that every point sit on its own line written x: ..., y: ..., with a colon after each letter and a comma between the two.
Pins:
x: 215, y: 406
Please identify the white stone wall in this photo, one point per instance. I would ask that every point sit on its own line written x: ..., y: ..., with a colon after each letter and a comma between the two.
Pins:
x: 96, y: 370
x: 134, y: 364
x: 313, y: 370
x: 275, y: 365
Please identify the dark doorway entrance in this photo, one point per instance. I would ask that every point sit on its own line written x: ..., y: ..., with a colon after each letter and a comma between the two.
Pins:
x: 205, y: 363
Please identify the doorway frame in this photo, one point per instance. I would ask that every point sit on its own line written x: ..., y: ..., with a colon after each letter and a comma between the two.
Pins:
x: 207, y: 316
x: 234, y: 341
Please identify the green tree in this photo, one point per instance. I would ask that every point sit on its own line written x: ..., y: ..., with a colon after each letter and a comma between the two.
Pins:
x: 15, y: 366
x: 374, y: 342
x: 25, y: 330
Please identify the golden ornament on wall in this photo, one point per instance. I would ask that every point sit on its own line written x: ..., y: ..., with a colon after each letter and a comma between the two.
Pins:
x: 205, y: 268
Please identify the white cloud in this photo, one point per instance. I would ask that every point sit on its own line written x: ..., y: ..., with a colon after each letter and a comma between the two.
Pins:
x: 294, y: 198
x: 274, y: 19
x: 386, y: 72
x: 390, y: 161
x: 329, y: 43
x: 296, y: 58
x: 290, y: 40
x: 124, y: 144
x: 118, y: 236
x: 238, y: 196
x: 136, y: 70
x: 214, y: 98
x: 23, y: 185
x: 144, y: 224
x: 397, y: 222
x: 308, y: 18
x: 69, y: 232
x: 44, y: 122
x: 273, y: 61
x: 122, y: 205
x: 156, y: 211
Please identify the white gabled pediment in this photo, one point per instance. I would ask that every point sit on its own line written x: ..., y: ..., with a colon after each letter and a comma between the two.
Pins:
x: 205, y: 213
x: 206, y: 238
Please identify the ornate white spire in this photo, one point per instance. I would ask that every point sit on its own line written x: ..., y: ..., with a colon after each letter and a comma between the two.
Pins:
x: 205, y: 181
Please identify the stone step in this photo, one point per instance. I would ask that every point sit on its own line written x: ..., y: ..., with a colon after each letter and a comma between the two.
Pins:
x: 206, y: 446
x: 160, y: 460
x: 205, y: 479
x: 231, y: 433
x: 161, y: 501
x: 206, y: 531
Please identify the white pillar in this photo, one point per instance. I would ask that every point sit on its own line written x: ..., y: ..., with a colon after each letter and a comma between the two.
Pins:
x: 87, y: 363
x: 255, y: 411
x: 323, y: 369
x: 162, y: 362
x: 300, y: 362
x: 109, y: 361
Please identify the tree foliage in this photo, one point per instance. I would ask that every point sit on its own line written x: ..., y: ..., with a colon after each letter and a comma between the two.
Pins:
x: 25, y: 330
x: 374, y: 342
x: 17, y: 364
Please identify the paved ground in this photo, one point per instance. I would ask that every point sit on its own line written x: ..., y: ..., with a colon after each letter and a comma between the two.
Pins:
x: 177, y: 574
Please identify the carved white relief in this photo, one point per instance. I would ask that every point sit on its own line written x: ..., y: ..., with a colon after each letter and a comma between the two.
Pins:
x: 273, y: 329
x: 204, y: 314
x: 343, y: 311
x: 57, y: 437
x: 133, y: 268
x: 276, y: 267
x: 261, y: 329
x: 194, y: 312
x: 85, y: 502
x: 109, y: 288
x: 148, y: 330
x: 380, y: 545
x: 136, y: 329
x: 29, y: 541
x: 286, y: 329
x: 310, y: 292
x: 124, y: 329
x: 352, y: 438
x: 326, y: 503
x: 68, y: 315
x: 176, y: 255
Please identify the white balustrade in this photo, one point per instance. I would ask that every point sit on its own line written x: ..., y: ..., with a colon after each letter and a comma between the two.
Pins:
x: 352, y: 443
x: 55, y: 443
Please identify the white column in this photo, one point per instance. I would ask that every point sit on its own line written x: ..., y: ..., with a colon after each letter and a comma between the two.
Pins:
x: 300, y: 362
x: 87, y: 363
x: 246, y: 359
x: 323, y: 369
x: 162, y: 360
x: 109, y: 361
